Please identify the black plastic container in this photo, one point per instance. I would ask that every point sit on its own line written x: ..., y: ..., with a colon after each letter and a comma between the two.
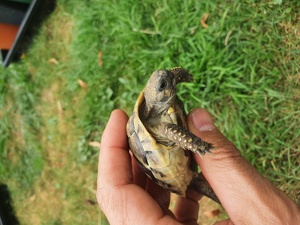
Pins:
x: 17, y: 13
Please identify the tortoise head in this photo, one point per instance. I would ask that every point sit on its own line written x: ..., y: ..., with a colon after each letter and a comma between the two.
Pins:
x: 160, y: 91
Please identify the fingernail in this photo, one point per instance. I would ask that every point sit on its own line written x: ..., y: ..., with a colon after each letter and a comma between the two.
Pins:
x: 202, y: 120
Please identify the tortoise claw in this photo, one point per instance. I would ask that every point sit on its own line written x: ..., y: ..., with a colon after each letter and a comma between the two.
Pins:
x: 200, y: 154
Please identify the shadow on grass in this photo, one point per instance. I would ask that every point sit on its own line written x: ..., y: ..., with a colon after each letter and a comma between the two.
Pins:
x: 7, y: 213
x: 44, y: 9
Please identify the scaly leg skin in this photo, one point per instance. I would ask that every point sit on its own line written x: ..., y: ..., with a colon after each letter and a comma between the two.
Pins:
x: 186, y: 139
x: 189, y: 141
x: 201, y: 185
x: 182, y: 75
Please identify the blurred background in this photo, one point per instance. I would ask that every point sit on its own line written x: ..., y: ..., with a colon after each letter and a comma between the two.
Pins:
x: 87, y: 58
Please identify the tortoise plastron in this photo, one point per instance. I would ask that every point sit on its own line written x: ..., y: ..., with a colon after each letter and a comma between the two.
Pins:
x: 159, y: 139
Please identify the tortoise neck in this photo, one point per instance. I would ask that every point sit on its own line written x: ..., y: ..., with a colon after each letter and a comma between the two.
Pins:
x: 156, y: 108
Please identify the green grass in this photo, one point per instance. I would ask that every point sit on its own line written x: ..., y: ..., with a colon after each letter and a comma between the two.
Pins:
x: 246, y: 72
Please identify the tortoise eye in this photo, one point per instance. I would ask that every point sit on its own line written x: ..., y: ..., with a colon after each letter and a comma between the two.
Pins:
x: 162, y: 85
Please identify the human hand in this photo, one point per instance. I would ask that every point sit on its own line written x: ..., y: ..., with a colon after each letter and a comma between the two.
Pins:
x: 247, y: 197
x: 127, y: 196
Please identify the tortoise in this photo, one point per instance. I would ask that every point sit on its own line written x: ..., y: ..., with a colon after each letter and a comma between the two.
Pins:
x: 159, y: 139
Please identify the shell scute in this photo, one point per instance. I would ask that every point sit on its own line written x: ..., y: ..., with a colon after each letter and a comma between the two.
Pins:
x: 165, y: 163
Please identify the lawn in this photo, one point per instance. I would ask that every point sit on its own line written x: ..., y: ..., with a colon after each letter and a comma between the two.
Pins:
x: 90, y: 57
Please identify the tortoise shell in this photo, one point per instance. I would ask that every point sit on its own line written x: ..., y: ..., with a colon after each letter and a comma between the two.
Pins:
x: 164, y: 161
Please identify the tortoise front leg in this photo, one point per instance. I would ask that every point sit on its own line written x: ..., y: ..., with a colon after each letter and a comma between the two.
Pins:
x: 186, y: 139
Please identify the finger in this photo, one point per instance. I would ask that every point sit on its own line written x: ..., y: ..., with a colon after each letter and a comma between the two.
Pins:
x: 220, y: 162
x: 243, y: 192
x: 215, y: 167
x: 225, y: 222
x: 201, y: 124
x: 121, y: 201
x: 186, y: 209
x: 114, y: 166
x: 225, y: 165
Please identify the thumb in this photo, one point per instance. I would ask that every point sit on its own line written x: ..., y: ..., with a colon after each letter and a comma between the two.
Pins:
x: 245, y: 194
x: 225, y: 165
x: 201, y: 124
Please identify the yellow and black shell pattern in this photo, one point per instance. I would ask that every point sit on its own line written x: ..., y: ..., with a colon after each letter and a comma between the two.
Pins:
x: 171, y: 167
